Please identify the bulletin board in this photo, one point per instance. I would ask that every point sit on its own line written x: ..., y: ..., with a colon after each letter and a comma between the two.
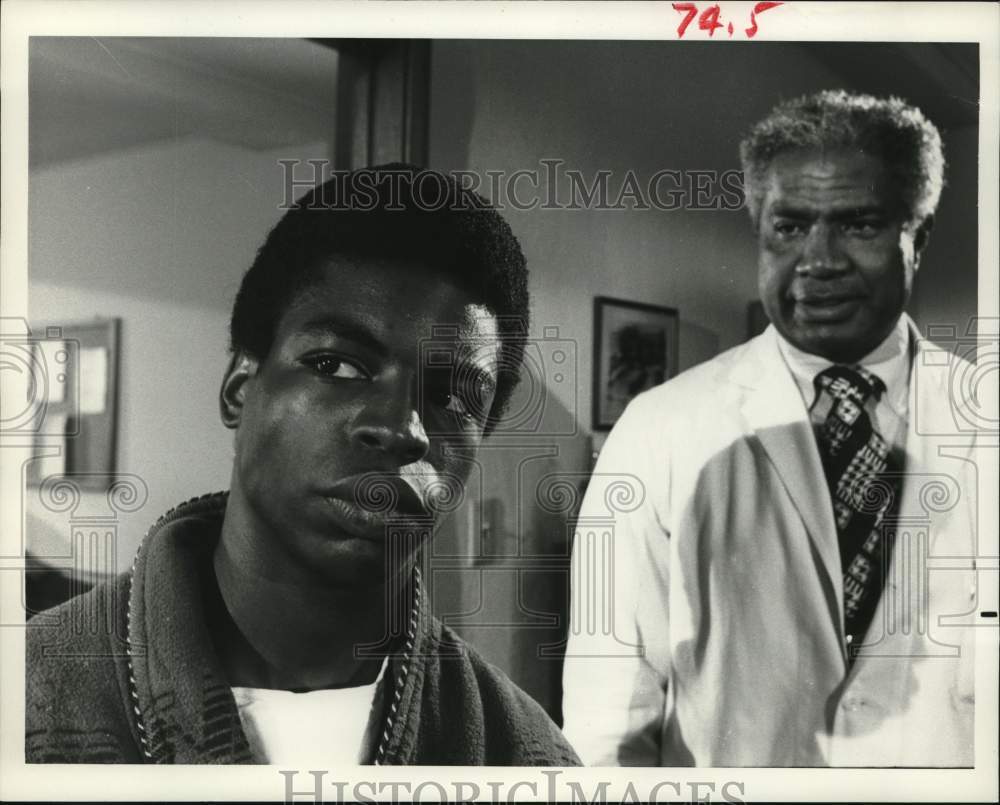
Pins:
x: 77, y: 371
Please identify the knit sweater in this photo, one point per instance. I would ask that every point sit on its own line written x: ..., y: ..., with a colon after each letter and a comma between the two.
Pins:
x: 127, y: 673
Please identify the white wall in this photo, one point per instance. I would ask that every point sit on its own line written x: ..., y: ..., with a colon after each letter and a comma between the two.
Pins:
x: 500, y: 105
x: 159, y: 236
x: 946, y: 286
x: 646, y: 106
x: 618, y: 106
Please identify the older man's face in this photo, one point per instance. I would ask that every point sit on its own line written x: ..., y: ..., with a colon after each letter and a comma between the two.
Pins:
x: 836, y: 261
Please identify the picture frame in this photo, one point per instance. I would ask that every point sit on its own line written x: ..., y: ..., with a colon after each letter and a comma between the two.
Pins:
x: 635, y: 349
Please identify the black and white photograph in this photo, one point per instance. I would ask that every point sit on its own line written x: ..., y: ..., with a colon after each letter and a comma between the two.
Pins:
x: 565, y: 401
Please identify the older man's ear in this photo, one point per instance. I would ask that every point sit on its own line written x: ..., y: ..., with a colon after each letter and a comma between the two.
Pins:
x: 921, y: 238
x: 232, y: 396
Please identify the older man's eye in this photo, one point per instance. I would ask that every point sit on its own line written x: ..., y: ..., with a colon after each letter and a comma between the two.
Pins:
x: 335, y: 366
x: 789, y: 229
x: 864, y: 229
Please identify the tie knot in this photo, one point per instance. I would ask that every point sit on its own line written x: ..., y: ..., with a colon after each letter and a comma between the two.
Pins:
x: 850, y: 382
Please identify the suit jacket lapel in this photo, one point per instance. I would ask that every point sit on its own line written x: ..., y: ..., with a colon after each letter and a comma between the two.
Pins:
x: 930, y: 417
x: 776, y: 413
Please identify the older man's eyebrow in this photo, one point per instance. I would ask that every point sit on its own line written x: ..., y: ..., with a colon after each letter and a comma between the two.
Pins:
x: 343, y: 328
x: 866, y: 211
x: 792, y: 210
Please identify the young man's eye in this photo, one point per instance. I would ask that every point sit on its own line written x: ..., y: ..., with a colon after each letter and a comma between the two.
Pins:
x: 453, y: 402
x: 336, y: 366
x: 456, y: 405
x: 461, y: 405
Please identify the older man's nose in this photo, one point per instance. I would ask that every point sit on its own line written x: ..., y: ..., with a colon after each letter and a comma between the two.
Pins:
x: 822, y: 255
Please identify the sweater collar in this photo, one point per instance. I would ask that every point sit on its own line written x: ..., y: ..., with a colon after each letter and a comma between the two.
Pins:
x: 183, y: 706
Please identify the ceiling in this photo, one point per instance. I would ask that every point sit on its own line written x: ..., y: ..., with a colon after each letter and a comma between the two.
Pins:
x: 90, y: 95
x: 942, y: 79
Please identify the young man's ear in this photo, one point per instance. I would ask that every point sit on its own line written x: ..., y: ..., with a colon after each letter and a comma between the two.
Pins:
x: 241, y: 368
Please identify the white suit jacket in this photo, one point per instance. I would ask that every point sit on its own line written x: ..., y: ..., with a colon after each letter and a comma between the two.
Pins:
x: 706, y: 611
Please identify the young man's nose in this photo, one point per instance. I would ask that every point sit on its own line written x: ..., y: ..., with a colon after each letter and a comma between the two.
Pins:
x: 390, y: 426
x: 822, y: 255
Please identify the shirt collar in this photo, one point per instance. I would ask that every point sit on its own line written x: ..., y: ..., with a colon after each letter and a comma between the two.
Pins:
x: 890, y: 360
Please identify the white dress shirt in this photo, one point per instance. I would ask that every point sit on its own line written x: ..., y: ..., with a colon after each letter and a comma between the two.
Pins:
x: 890, y: 361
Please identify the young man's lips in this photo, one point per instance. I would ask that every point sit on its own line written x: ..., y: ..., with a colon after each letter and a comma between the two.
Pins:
x: 366, y: 504
x: 359, y: 521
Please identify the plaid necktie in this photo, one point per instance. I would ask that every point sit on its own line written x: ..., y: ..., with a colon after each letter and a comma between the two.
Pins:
x: 856, y: 460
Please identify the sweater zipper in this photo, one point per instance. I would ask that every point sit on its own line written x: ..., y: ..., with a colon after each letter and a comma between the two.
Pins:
x: 404, y: 670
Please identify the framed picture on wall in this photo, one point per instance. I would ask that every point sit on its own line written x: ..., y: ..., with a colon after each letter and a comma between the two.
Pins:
x: 635, y: 348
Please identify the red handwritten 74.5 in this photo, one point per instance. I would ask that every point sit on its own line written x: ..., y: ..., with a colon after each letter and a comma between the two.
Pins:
x: 708, y: 19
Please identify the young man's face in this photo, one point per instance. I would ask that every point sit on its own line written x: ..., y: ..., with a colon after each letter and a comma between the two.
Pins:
x: 836, y: 262
x: 348, y: 413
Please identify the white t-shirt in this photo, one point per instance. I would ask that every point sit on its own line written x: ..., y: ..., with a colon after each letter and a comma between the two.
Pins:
x: 318, y: 729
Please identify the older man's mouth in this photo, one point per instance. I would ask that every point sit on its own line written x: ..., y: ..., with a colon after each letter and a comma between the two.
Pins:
x: 826, y: 307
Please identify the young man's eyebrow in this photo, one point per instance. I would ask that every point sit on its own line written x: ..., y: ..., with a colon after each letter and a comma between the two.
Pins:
x: 354, y: 331
x: 343, y: 328
x: 465, y: 371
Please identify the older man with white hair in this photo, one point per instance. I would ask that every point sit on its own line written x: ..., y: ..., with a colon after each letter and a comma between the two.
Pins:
x: 769, y: 598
